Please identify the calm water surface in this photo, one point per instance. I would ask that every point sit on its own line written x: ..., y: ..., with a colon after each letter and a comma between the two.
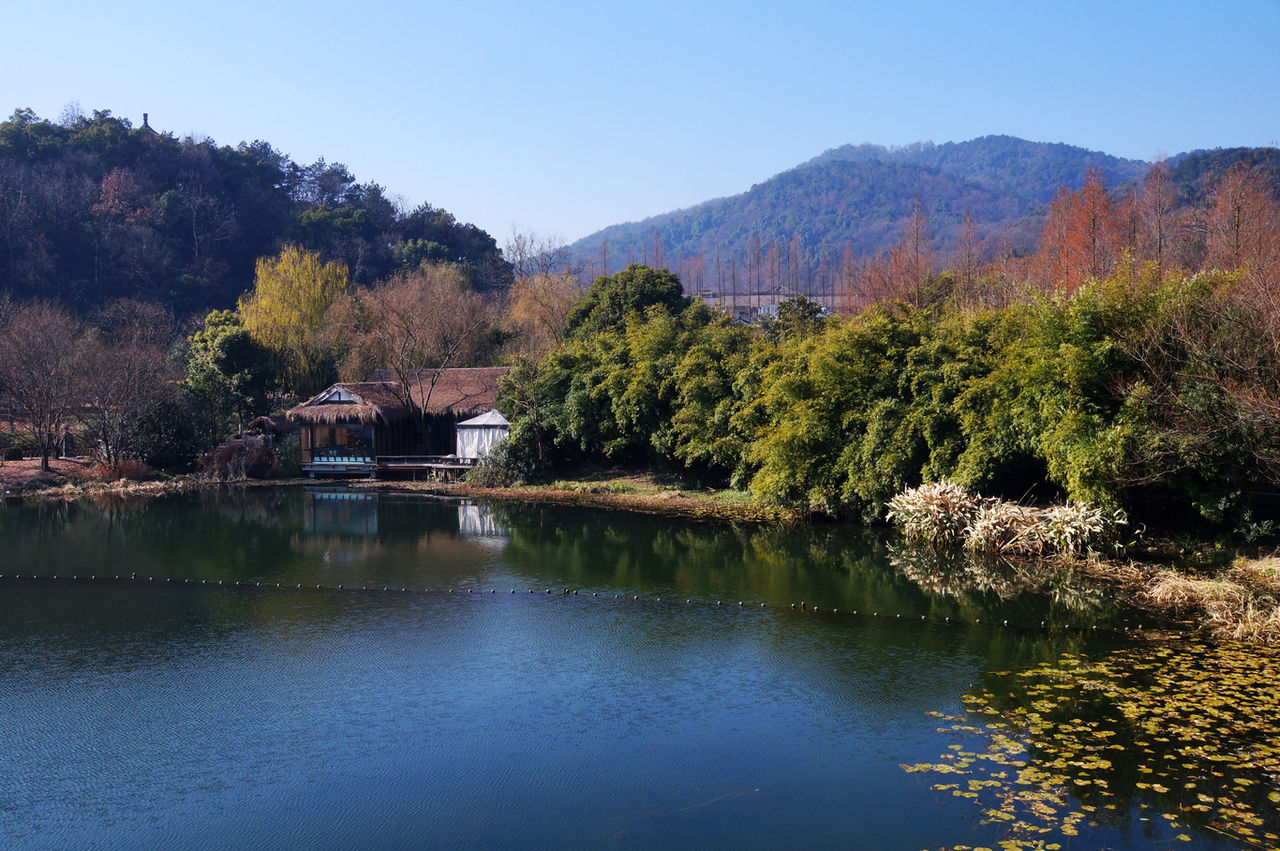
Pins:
x: 157, y: 712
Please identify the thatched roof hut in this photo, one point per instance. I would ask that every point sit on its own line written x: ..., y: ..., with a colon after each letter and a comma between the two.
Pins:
x: 456, y: 393
x: 274, y: 426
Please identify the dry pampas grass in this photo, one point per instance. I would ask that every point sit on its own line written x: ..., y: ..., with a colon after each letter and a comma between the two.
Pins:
x: 943, y: 514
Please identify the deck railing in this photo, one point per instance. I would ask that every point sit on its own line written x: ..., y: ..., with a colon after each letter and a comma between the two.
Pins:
x: 425, y: 461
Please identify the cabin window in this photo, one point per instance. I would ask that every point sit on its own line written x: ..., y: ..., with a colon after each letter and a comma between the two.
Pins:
x: 343, y: 440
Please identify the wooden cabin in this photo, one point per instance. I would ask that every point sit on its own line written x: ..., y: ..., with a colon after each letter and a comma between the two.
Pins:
x: 368, y: 427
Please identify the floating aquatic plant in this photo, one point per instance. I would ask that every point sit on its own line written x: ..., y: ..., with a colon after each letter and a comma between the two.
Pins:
x: 1183, y: 735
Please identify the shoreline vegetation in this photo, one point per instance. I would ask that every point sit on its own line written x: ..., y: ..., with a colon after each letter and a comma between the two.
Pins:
x: 1240, y: 602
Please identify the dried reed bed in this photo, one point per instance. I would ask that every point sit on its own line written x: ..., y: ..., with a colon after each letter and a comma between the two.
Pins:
x: 943, y: 515
x: 1242, y: 604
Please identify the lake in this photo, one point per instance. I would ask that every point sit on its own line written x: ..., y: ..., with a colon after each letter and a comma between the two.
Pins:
x: 293, y: 667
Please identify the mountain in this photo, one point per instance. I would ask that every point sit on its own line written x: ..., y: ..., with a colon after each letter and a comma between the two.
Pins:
x: 859, y: 197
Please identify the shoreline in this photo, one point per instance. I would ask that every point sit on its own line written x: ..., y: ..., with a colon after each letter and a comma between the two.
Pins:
x: 1238, y: 602
x: 671, y: 502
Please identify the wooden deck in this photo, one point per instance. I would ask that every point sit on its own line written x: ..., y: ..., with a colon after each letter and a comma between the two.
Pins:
x: 446, y: 467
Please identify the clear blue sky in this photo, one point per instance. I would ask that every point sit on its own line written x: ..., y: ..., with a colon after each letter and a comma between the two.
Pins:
x: 565, y: 117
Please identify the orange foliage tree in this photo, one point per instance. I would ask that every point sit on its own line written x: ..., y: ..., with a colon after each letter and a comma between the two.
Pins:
x: 1081, y: 237
x: 1243, y: 225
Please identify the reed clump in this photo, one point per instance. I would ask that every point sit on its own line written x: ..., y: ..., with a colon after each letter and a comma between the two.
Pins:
x: 936, y: 514
x: 943, y: 515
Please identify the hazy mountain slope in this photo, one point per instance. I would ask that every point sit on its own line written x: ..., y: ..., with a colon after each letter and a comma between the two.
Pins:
x: 1031, y: 171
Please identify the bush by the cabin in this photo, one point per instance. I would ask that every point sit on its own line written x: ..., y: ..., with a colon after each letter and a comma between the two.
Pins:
x: 170, y: 435
x: 509, y: 462
x: 127, y: 469
x: 242, y: 458
x: 289, y: 454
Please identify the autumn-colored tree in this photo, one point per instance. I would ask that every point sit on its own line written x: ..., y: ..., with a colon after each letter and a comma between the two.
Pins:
x: 415, y: 326
x: 1243, y: 235
x: 1049, y: 268
x: 40, y: 370
x: 911, y: 260
x: 1243, y: 224
x: 536, y: 311
x: 1081, y: 237
x: 1094, y: 246
x: 286, y: 311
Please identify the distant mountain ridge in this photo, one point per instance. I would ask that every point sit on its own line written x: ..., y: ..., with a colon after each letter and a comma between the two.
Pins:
x: 858, y: 197
x: 1034, y: 171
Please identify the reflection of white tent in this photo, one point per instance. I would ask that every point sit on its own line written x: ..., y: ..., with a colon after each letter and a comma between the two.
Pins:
x: 478, y: 435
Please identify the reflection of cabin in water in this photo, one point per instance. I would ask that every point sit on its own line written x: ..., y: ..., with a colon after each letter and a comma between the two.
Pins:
x: 369, y: 427
x: 335, y: 511
x: 340, y: 512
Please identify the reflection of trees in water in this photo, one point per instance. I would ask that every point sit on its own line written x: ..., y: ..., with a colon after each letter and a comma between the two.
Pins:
x: 974, y: 581
x: 217, y: 533
x: 831, y: 566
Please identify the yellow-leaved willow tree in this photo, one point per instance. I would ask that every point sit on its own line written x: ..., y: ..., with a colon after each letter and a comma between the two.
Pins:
x: 285, y: 312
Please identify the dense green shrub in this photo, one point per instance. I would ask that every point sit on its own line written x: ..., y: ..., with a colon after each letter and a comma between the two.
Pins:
x: 1156, y: 396
x: 289, y: 454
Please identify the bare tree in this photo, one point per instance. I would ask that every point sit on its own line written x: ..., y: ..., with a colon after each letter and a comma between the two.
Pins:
x: 39, y: 348
x: 129, y: 358
x: 1243, y: 224
x: 1157, y: 216
x: 415, y: 326
x: 967, y: 259
x: 911, y: 260
x: 536, y: 311
x: 531, y: 254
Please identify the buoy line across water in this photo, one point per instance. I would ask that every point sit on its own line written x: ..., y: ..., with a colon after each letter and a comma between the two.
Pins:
x: 799, y: 608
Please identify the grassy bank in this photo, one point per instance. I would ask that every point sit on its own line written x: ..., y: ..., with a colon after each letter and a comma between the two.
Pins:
x: 638, y: 493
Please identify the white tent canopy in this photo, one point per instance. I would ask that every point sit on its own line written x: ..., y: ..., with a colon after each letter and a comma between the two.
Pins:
x: 478, y: 435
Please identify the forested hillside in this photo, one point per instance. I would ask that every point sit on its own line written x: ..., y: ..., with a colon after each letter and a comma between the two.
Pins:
x: 94, y: 209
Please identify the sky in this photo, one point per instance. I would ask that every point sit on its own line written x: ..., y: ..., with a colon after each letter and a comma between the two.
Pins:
x: 561, y: 118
